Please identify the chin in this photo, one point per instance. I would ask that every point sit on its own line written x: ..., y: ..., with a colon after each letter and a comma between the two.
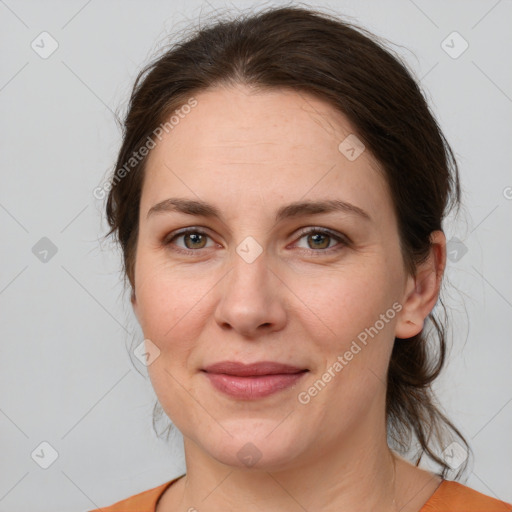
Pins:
x: 255, y: 447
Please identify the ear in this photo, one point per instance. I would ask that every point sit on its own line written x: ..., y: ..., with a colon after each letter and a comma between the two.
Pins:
x: 422, y: 289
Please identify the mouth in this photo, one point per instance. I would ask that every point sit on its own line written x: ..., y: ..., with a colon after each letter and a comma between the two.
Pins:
x: 252, y: 381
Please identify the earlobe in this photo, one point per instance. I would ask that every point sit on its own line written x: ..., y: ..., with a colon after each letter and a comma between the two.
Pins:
x: 422, y: 289
x: 408, y: 328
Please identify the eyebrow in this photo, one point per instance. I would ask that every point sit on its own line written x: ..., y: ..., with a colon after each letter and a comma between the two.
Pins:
x: 292, y: 210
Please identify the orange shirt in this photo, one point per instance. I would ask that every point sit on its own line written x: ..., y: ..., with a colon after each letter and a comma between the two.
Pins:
x: 449, y: 497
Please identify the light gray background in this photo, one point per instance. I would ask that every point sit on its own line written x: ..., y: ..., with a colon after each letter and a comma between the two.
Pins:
x: 65, y: 374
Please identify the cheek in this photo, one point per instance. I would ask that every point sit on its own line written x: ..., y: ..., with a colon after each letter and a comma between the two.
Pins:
x: 356, y: 309
x: 171, y: 314
x: 356, y: 306
x: 348, y: 301
x: 170, y: 303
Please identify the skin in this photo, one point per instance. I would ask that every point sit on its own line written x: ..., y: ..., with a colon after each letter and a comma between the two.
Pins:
x: 249, y: 154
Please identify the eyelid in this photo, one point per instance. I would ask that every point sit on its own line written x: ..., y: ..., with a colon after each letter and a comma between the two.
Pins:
x: 184, y: 231
x: 167, y: 240
x: 319, y: 229
x: 341, y: 238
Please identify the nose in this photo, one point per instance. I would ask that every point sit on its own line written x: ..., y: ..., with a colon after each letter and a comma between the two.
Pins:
x: 252, y: 299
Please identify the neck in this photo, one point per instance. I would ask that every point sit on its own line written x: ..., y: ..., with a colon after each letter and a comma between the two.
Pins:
x: 357, y: 473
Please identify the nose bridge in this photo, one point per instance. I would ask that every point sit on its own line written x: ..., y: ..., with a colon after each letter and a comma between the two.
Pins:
x: 249, y: 297
x: 249, y: 271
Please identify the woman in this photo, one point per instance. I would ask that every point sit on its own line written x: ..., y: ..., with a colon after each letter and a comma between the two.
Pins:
x: 279, y: 198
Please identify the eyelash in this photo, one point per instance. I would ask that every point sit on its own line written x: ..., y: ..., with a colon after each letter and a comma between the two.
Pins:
x: 342, y: 239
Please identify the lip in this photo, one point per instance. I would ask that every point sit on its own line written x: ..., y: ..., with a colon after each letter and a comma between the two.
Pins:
x: 252, y: 381
x: 253, y: 369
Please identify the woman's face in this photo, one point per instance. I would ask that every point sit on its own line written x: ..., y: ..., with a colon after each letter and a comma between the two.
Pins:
x: 254, y: 286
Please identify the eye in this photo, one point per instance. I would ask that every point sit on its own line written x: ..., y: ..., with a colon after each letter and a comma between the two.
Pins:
x: 320, y: 240
x: 193, y: 240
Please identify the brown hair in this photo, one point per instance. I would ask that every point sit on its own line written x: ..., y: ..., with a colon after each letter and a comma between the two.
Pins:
x: 313, y: 52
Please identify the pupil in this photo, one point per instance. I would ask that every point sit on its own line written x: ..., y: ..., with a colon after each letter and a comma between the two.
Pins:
x: 194, y: 238
x: 317, y: 237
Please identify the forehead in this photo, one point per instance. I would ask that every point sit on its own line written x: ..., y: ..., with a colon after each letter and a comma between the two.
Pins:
x: 227, y: 118
x: 281, y: 143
